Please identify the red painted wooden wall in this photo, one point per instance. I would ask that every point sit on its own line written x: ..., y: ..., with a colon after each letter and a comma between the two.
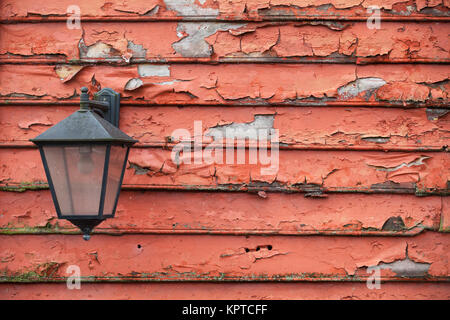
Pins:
x: 362, y: 182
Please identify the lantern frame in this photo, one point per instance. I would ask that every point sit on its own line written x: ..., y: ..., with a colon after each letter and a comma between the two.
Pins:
x: 94, y: 124
x: 100, y: 214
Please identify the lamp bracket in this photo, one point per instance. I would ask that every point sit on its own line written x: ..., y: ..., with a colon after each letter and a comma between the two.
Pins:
x: 112, y: 100
x: 106, y: 103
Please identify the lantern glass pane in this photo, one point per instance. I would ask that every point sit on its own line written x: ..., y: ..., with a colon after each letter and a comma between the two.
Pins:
x: 77, y: 172
x: 116, y: 165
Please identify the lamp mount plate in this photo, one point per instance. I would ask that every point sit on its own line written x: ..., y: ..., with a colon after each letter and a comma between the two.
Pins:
x: 111, y: 114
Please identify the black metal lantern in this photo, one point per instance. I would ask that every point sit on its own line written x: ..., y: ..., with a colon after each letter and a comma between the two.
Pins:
x: 84, y: 158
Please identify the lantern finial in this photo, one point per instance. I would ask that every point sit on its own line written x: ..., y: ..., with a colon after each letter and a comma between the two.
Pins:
x: 84, y: 99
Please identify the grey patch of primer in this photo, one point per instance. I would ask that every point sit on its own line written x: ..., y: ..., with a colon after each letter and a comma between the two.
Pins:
x: 166, y: 83
x: 417, y: 162
x: 324, y: 8
x: 407, y: 268
x: 248, y: 130
x: 360, y: 85
x: 138, y: 169
x: 153, y: 70
x: 434, y: 114
x: 394, y: 224
x: 194, y: 45
x: 377, y: 139
x: 137, y: 49
x: 189, y: 8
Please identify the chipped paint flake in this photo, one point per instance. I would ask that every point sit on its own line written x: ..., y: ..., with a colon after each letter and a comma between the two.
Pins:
x: 66, y: 72
x: 138, y: 51
x: 133, y: 84
x: 97, y: 50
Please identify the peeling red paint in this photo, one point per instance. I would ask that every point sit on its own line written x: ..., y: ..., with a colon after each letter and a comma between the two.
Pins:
x: 232, y: 82
x: 332, y: 170
x: 220, y: 257
x: 67, y: 72
x: 230, y: 291
x: 394, y: 41
x: 385, y: 129
x: 238, y: 9
x: 363, y: 173
x: 236, y: 213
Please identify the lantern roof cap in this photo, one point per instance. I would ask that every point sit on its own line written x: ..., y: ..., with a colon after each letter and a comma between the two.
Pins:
x: 83, y: 125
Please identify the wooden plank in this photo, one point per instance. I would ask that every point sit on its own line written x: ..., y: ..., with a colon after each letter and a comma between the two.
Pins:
x: 238, y: 84
x: 299, y: 128
x: 223, y: 42
x: 227, y: 291
x: 100, y: 10
x: 162, y: 212
x: 223, y: 258
x: 292, y: 170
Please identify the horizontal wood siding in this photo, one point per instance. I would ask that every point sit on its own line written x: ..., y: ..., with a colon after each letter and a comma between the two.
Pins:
x: 363, y: 170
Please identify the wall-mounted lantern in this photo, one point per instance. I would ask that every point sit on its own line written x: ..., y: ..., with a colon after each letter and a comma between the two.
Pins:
x: 84, y: 158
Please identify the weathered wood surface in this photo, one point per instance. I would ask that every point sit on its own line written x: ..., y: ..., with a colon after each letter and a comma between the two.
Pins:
x: 363, y: 172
